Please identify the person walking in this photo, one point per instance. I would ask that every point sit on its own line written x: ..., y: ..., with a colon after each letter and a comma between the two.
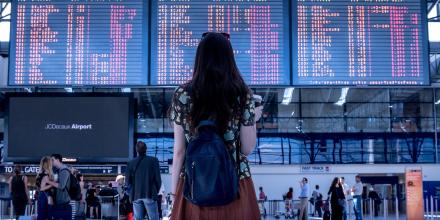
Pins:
x: 357, y: 197
x: 143, y: 177
x: 337, y: 199
x: 374, y: 196
x: 317, y: 201
x: 19, y: 191
x: 217, y: 93
x: 348, y: 199
x: 261, y: 196
x: 81, y: 205
x: 303, y: 198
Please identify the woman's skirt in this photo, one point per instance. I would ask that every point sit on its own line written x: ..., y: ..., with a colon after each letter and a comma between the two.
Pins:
x: 245, y: 207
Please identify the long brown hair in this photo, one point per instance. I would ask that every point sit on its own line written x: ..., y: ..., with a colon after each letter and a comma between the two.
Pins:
x: 217, y: 90
x: 336, y: 182
x: 46, y: 165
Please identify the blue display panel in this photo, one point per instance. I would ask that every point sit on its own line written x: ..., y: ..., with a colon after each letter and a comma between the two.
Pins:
x: 78, y: 42
x: 259, y: 32
x: 360, y: 42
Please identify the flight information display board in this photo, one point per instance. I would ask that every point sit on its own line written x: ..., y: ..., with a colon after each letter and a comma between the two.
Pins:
x: 360, y: 42
x: 259, y: 32
x: 276, y: 42
x: 78, y: 42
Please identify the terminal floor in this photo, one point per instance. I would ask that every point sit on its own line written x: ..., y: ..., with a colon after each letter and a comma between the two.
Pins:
x: 310, y: 218
x: 402, y: 217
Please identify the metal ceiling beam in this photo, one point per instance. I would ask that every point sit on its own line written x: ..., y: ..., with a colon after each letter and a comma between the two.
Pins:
x: 434, y: 19
x: 434, y: 3
x: 3, y: 16
x: 3, y: 8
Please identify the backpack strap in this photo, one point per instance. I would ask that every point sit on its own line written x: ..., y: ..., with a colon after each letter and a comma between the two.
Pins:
x: 68, y: 182
x: 238, y: 161
x: 206, y: 123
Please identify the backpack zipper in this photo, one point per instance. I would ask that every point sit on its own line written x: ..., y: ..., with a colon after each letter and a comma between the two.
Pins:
x: 193, y: 166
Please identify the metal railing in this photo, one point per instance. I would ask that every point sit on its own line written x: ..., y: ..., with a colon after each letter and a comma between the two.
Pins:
x: 392, y: 208
x: 431, y: 206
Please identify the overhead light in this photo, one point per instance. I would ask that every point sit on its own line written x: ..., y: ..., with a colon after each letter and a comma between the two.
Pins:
x: 27, y: 89
x: 437, y: 102
x: 288, y: 95
x: 342, y: 99
x: 68, y: 89
x: 127, y: 90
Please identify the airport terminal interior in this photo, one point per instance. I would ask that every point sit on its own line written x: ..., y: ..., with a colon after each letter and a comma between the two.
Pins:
x: 349, y: 88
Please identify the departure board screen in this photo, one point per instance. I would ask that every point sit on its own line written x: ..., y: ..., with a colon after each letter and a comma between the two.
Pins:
x: 360, y: 42
x: 259, y: 33
x: 78, y: 42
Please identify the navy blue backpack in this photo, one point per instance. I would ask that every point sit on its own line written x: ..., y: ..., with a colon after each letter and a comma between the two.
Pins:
x: 211, y: 177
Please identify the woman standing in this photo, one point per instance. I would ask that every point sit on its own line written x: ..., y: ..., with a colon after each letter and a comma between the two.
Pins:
x: 19, y: 191
x: 337, y: 199
x: 216, y: 92
x: 46, y: 192
x: 81, y: 205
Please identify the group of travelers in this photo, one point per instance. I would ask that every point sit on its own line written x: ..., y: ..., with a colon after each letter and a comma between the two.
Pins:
x: 341, y: 198
x: 52, y: 182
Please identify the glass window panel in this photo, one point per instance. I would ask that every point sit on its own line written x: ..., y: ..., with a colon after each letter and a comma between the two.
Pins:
x: 288, y: 111
x: 411, y: 95
x: 374, y: 150
x: 324, y: 125
x: 434, y: 31
x: 368, y: 110
x: 434, y: 60
x: 368, y: 95
x: 350, y: 151
x: 168, y: 125
x: 159, y: 147
x: 150, y: 125
x: 271, y: 150
x: 151, y: 104
x: 411, y: 110
x: 296, y: 146
x: 320, y: 95
x: 267, y: 93
x: 407, y: 125
x: 413, y: 149
x: 321, y: 110
x: 4, y: 30
x: 368, y: 124
x: 288, y: 125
